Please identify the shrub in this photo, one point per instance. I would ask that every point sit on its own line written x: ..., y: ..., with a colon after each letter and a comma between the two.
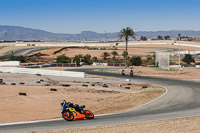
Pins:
x: 18, y: 58
x: 114, y: 53
x: 188, y: 59
x: 136, y: 61
x: 94, y: 59
x: 63, y: 59
x: 87, y: 59
x: 105, y: 55
x: 149, y: 61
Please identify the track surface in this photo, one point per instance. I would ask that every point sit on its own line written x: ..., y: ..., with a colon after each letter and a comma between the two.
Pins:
x: 18, y: 52
x: 182, y: 100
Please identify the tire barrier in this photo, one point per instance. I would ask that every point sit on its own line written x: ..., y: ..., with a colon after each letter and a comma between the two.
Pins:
x: 13, y: 83
x: 1, y: 81
x: 21, y: 83
x: 59, y: 50
x: 144, y: 86
x: 85, y: 85
x: 22, y: 94
x: 66, y: 85
x: 105, y: 85
x: 52, y: 89
x: 38, y: 82
x: 127, y: 87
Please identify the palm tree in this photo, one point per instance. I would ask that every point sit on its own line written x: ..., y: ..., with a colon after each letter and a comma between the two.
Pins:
x: 105, y: 55
x: 94, y: 59
x: 124, y: 54
x: 126, y: 33
x: 114, y: 53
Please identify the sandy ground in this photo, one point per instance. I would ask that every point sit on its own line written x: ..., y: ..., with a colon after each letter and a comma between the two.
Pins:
x: 138, y: 49
x: 186, y: 125
x: 41, y: 103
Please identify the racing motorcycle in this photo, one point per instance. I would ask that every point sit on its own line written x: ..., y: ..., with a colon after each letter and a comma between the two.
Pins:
x: 123, y: 73
x: 70, y: 113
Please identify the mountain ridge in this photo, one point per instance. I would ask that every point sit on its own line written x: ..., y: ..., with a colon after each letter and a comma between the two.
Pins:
x: 21, y: 33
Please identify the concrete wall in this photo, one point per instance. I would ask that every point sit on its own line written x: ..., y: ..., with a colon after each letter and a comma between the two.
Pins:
x: 42, y: 72
x: 10, y: 63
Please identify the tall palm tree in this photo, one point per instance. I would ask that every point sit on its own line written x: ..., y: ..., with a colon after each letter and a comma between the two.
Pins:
x: 126, y: 33
x: 114, y: 53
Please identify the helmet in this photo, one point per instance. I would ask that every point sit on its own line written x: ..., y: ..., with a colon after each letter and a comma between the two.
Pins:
x: 76, y: 106
x: 63, y: 102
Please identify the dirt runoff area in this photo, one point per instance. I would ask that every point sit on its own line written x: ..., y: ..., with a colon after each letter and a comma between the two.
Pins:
x: 187, y: 125
x: 40, y: 102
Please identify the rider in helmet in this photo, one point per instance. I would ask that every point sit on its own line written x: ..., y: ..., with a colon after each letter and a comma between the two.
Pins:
x: 131, y: 72
x: 65, y: 104
x: 123, y: 72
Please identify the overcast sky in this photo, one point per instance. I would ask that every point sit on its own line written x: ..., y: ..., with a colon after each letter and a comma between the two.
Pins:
x: 74, y: 16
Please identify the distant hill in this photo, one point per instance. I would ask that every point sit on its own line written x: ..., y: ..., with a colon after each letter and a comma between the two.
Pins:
x: 27, y: 34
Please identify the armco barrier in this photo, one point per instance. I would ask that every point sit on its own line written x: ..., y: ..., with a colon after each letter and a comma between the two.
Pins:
x: 120, y: 65
x: 42, y: 72
x: 53, y: 65
x: 65, y: 65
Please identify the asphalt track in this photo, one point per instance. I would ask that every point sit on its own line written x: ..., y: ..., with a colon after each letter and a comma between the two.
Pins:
x: 181, y: 100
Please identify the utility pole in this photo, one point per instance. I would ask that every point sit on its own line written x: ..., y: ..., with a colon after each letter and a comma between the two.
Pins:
x: 179, y: 59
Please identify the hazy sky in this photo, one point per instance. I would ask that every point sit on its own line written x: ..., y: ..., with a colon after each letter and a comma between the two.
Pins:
x: 74, y: 16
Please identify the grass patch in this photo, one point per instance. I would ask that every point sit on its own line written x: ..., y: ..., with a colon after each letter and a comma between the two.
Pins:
x: 161, y: 69
x: 152, y: 91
